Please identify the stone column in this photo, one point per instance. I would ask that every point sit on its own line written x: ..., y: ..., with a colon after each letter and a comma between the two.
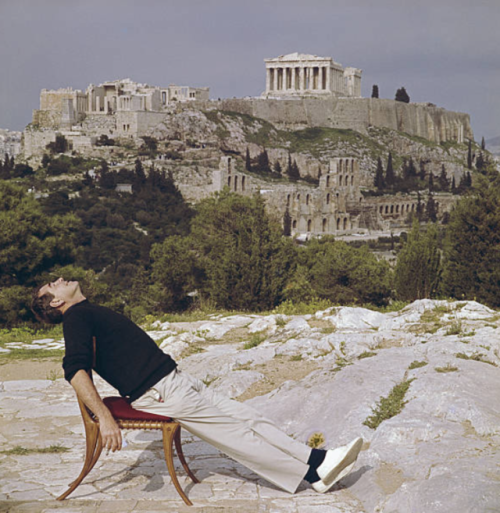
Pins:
x: 275, y: 79
x: 293, y: 78
x: 268, y: 80
x: 328, y: 78
x: 301, y: 78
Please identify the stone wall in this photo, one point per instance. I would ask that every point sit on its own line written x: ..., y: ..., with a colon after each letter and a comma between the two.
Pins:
x: 423, y: 120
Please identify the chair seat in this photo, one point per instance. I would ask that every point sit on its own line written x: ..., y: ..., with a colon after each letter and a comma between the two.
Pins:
x: 121, y: 409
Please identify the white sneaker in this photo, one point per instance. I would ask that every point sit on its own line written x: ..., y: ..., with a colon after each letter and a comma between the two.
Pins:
x: 337, y: 464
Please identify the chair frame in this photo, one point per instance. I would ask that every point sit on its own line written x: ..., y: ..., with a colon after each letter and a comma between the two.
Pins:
x: 171, y: 435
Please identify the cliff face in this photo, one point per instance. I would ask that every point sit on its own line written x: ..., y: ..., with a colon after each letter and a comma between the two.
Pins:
x: 422, y: 120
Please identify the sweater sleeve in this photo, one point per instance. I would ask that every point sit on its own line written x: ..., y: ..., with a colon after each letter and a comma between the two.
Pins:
x: 77, y: 329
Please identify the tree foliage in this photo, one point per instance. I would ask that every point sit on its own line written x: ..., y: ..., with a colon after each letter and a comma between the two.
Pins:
x: 472, y: 246
x: 418, y: 267
x: 402, y: 95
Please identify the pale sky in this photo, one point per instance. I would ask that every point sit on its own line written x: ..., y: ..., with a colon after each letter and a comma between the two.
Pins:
x: 442, y: 51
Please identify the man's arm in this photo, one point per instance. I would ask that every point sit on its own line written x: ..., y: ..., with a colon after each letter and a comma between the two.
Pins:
x: 87, y: 392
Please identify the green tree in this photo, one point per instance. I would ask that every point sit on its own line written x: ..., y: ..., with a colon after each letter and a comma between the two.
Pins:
x: 472, y: 246
x: 174, y: 274
x: 402, y: 95
x: 345, y: 274
x: 287, y: 223
x: 483, y: 144
x: 444, y: 182
x: 60, y: 145
x: 263, y: 165
x: 375, y: 91
x: 277, y: 168
x: 31, y: 242
x: 379, y: 181
x: 418, y: 268
x: 245, y: 259
x: 248, y: 161
x: 390, y: 178
x: 431, y: 209
x: 469, y: 155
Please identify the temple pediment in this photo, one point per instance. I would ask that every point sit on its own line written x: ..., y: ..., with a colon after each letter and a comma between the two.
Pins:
x: 298, y: 57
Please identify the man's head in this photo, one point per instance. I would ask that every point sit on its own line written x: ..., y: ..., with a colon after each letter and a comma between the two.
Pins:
x: 51, y: 300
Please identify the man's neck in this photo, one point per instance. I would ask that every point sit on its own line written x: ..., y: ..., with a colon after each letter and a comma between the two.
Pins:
x: 74, y: 301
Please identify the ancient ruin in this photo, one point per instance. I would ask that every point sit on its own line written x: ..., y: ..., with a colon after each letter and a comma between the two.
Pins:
x: 298, y: 74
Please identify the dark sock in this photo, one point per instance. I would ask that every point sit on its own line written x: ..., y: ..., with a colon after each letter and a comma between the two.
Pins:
x: 311, y: 476
x: 315, y: 460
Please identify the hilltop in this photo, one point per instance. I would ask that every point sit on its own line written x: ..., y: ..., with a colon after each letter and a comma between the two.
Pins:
x: 419, y: 384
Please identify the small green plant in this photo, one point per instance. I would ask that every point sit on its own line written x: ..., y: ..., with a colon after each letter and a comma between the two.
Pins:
x: 454, y: 329
x: 342, y: 347
x: 18, y: 450
x: 477, y: 357
x: 193, y: 349
x: 327, y: 331
x: 469, y: 333
x: 366, y: 354
x: 208, y: 381
x: 296, y: 358
x: 390, y: 406
x: 447, y: 368
x: 316, y: 440
x: 280, y: 321
x: 53, y: 375
x: 416, y: 364
x: 257, y: 339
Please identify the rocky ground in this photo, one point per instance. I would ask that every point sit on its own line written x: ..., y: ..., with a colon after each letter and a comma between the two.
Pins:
x: 421, y: 386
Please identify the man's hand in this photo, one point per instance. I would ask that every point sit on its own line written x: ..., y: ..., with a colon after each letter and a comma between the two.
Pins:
x: 87, y: 392
x: 110, y: 433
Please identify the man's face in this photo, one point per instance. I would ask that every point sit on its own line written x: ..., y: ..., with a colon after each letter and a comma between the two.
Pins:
x: 63, y: 291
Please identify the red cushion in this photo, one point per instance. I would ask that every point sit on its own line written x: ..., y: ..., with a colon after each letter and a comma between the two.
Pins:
x: 121, y: 409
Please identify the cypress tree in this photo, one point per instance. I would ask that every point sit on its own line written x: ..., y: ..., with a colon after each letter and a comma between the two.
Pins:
x: 483, y: 144
x: 469, y: 155
x: 420, y: 207
x: 431, y: 181
x: 443, y: 181
x: 277, y: 168
x: 379, y: 175
x: 389, y: 172
x: 422, y: 173
x: 248, y: 161
x: 263, y: 163
x: 287, y: 223
x: 431, y: 209
x: 453, y: 185
x: 375, y: 91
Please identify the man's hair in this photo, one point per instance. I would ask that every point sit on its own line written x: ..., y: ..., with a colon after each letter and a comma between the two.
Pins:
x: 40, y: 306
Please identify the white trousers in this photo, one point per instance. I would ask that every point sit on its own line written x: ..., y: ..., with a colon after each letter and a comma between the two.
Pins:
x: 234, y: 428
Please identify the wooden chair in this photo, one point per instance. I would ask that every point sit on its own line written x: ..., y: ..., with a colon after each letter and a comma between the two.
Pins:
x: 128, y: 418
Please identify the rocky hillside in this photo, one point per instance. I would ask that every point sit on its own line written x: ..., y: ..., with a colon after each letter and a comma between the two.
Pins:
x: 419, y: 385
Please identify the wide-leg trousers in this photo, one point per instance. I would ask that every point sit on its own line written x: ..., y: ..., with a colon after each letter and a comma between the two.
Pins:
x: 234, y: 428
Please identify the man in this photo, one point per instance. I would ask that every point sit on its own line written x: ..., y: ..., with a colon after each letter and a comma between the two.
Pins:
x: 128, y: 359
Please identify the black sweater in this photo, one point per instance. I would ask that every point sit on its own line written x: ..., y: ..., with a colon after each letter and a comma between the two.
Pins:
x: 126, y: 357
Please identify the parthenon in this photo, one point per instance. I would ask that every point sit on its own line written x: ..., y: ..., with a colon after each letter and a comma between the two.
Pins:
x: 298, y: 74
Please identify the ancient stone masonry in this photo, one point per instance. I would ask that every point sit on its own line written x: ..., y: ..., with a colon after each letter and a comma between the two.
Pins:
x: 10, y: 143
x: 298, y: 74
x: 226, y: 176
x: 334, y: 207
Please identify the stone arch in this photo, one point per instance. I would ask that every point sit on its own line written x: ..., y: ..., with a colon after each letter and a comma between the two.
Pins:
x: 387, y: 209
x: 392, y: 209
x: 397, y: 209
x: 309, y: 225
x: 338, y: 223
x: 229, y: 181
x: 381, y: 209
x: 243, y: 183
x: 308, y: 197
x: 412, y: 207
x: 340, y: 166
x: 325, y: 225
x: 236, y: 183
x: 345, y: 223
x: 288, y: 200
x: 328, y: 181
x: 352, y: 165
x: 298, y: 198
x: 352, y: 179
x: 294, y: 224
x: 340, y: 180
x: 328, y: 199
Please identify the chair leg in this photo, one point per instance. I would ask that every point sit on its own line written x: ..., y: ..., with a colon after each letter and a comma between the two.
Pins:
x: 169, y: 430
x: 180, y: 454
x: 93, y: 451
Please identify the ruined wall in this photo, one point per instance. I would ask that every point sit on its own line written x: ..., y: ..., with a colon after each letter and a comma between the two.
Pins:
x: 423, y: 120
x: 35, y: 141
